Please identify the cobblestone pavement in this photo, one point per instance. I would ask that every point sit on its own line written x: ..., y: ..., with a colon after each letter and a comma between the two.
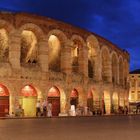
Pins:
x: 82, y: 128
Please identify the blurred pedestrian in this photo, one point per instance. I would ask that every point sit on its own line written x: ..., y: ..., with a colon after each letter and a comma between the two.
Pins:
x: 44, y: 105
x: 49, y: 109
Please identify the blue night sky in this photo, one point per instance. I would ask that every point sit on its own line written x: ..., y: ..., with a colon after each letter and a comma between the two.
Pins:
x: 115, y: 20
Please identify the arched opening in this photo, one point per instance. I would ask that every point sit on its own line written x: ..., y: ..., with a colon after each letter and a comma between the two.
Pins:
x: 90, y: 100
x: 90, y: 68
x: 4, y: 101
x: 75, y: 56
x: 54, y: 99
x: 105, y: 65
x: 4, y: 49
x: 114, y: 69
x: 115, y: 102
x: 107, y: 102
x: 121, y: 100
x: 29, y: 48
x: 92, y: 45
x: 54, y: 53
x: 74, y: 98
x: 121, y: 72
x: 91, y: 52
x: 28, y: 100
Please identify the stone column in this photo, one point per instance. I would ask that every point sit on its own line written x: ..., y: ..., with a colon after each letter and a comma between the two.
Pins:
x: 43, y: 55
x: 14, y: 50
x: 117, y: 74
x: 97, y: 69
x: 83, y: 60
x: 66, y: 58
x: 109, y: 72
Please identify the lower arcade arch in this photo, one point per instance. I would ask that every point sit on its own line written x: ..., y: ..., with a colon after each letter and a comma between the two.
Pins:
x: 115, y: 103
x: 54, y: 98
x: 90, y: 100
x: 74, y: 98
x: 121, y: 99
x: 4, y: 101
x: 106, y: 102
x: 28, y: 100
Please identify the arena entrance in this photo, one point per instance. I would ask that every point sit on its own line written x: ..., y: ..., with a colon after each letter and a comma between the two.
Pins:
x: 115, y: 102
x: 4, y: 101
x: 121, y: 100
x: 54, y: 99
x: 29, y: 100
x: 74, y: 98
x: 107, y: 102
x: 90, y: 101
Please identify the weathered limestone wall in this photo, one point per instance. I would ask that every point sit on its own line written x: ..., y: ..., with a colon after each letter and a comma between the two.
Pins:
x: 15, y: 76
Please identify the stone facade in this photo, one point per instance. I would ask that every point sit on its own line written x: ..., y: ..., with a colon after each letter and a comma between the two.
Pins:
x: 85, y: 62
x: 134, y: 92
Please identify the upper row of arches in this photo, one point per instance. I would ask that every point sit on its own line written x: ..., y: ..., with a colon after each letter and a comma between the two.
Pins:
x: 31, y: 36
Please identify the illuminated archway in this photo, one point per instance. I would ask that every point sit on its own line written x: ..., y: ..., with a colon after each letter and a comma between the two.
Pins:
x: 114, y: 68
x: 29, y: 49
x: 93, y: 48
x: 105, y: 57
x: 28, y: 100
x: 77, y: 53
x: 54, y: 53
x: 90, y: 100
x: 74, y: 97
x: 122, y: 99
x: 115, y: 102
x: 75, y: 56
x: 4, y: 101
x: 54, y: 99
x: 107, y: 102
x: 4, y: 48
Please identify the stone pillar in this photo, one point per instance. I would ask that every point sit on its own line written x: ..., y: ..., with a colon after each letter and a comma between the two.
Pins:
x: 109, y: 72
x: 67, y: 93
x: 43, y: 55
x: 14, y: 50
x: 11, y: 103
x: 117, y: 74
x: 66, y: 58
x: 83, y: 60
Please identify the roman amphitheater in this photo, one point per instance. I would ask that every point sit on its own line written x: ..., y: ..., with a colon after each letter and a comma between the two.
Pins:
x: 44, y: 59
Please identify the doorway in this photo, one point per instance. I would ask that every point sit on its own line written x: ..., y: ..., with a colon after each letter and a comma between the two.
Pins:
x: 54, y: 99
x: 74, y: 98
x: 4, y: 101
x: 29, y: 100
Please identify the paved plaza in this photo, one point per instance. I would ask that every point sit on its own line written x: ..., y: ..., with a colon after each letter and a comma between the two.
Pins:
x: 78, y: 128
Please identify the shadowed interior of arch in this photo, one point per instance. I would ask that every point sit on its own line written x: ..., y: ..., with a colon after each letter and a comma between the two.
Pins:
x: 75, y: 50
